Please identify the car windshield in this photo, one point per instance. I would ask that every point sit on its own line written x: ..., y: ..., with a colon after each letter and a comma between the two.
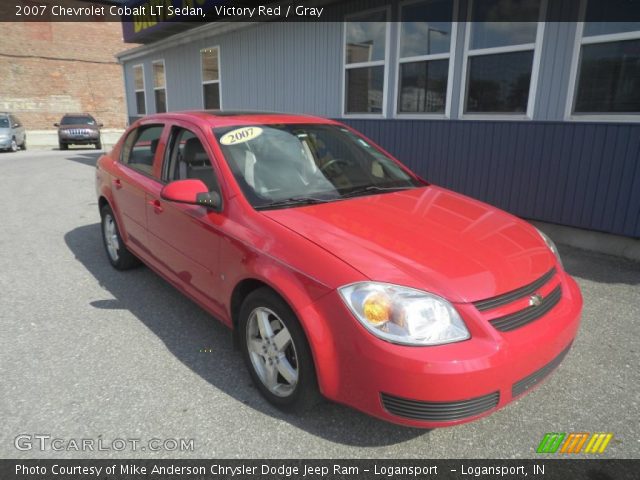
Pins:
x: 77, y: 121
x: 284, y: 165
x: 4, y: 122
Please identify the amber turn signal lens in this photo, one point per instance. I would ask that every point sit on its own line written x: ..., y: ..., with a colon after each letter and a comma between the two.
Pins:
x: 377, y: 308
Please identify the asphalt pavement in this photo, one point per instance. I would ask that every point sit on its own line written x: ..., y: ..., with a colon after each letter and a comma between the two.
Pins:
x: 89, y: 353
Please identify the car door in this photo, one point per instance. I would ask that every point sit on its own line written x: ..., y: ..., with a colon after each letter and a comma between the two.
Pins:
x: 132, y: 177
x: 184, y: 238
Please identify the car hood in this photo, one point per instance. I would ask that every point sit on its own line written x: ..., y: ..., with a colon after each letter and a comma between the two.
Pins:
x: 427, y: 238
x: 79, y: 125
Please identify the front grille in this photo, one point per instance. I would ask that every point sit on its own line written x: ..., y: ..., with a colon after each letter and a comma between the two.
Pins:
x: 529, y: 314
x: 513, y: 295
x: 527, y: 382
x: 79, y: 131
x: 439, y: 411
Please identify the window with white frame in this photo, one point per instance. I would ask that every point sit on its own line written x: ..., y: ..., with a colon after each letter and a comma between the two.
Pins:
x: 210, y: 60
x: 607, y: 68
x: 159, y: 86
x: 364, y: 70
x: 424, y: 56
x: 502, y: 56
x: 138, y: 80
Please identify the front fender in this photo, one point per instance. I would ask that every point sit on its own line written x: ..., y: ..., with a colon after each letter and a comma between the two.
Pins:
x: 301, y: 292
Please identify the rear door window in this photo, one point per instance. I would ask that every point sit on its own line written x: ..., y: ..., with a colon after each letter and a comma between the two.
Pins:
x: 140, y: 148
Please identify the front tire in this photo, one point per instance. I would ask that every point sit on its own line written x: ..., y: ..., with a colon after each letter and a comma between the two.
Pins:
x: 119, y: 256
x: 63, y: 146
x: 14, y: 145
x: 98, y: 146
x: 276, y: 352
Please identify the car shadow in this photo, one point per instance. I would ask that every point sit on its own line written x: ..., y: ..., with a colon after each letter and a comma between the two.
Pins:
x: 78, y: 148
x: 86, y: 158
x: 205, y: 346
x: 599, y: 267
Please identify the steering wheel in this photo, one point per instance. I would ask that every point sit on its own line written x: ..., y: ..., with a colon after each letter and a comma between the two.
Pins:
x: 333, y: 161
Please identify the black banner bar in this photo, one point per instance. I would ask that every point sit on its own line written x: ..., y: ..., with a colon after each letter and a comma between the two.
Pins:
x: 203, y: 11
x: 454, y: 469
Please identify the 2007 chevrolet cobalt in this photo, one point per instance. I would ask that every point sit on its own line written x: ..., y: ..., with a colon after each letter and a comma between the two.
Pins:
x: 341, y: 272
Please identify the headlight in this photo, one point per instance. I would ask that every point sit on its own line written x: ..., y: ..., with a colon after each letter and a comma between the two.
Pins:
x: 552, y: 246
x: 404, y: 315
x: 4, y: 136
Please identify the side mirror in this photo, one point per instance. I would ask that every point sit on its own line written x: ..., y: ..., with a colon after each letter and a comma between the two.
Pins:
x: 191, y: 191
x: 101, y: 125
x: 56, y: 124
x: 16, y: 125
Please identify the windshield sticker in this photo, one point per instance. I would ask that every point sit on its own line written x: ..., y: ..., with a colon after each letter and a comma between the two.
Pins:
x: 240, y: 135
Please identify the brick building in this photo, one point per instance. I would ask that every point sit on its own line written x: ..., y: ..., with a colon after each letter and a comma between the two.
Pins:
x: 49, y: 68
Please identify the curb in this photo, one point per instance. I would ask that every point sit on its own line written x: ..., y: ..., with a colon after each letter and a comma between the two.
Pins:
x: 607, y: 243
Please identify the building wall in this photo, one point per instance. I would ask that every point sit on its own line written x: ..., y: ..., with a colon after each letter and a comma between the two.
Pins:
x: 583, y: 174
x: 50, y: 68
x: 254, y: 65
x: 580, y: 174
x: 307, y: 59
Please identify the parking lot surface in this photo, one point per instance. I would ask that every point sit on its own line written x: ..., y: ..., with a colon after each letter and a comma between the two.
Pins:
x: 87, y: 352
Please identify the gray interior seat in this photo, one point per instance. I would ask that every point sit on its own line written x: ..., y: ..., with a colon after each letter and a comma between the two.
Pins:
x: 197, y: 164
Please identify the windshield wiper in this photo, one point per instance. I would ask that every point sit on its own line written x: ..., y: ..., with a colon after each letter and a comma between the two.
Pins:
x: 293, y: 201
x: 373, y: 189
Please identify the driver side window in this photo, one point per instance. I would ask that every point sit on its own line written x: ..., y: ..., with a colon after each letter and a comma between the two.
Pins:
x: 187, y: 158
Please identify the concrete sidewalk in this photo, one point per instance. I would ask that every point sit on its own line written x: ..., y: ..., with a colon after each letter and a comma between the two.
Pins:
x: 616, y: 245
x: 48, y: 139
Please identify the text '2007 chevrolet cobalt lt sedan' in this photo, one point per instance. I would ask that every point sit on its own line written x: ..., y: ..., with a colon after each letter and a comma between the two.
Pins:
x: 341, y: 272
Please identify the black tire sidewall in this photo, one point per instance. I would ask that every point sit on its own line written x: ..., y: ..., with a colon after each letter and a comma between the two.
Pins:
x: 306, y: 391
x: 126, y: 259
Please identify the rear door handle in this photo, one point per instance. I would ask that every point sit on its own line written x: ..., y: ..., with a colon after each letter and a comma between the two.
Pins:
x: 157, y: 206
x: 117, y: 183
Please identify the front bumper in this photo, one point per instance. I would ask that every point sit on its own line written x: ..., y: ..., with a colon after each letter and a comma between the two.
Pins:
x: 448, y: 384
x: 5, y: 143
x: 79, y: 138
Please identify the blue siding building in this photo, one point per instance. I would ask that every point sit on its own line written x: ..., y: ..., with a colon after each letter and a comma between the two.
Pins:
x: 540, y: 118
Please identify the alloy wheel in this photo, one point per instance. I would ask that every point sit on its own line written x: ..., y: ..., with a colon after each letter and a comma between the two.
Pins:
x: 272, y: 352
x: 111, y: 237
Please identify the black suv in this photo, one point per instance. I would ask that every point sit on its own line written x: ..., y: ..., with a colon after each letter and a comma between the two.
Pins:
x: 78, y: 129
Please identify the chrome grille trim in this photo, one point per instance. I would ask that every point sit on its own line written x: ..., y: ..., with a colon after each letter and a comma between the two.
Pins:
x: 513, y: 295
x: 79, y: 131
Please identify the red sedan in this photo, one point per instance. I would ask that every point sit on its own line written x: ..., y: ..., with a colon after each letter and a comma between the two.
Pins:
x: 340, y: 271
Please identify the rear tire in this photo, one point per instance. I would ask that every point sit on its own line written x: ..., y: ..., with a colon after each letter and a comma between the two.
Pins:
x: 276, y: 352
x: 98, y: 146
x: 117, y: 253
x: 63, y: 146
x: 24, y: 143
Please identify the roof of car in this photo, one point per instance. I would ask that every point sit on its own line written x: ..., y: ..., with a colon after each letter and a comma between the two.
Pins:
x: 221, y: 118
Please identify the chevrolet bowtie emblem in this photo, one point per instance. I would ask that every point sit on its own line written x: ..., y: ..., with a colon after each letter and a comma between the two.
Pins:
x: 535, y: 300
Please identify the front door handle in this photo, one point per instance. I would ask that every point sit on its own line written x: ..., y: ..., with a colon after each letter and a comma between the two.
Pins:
x: 157, y: 206
x: 117, y: 183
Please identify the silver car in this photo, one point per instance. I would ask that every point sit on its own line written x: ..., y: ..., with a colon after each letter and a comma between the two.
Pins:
x: 12, y: 133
